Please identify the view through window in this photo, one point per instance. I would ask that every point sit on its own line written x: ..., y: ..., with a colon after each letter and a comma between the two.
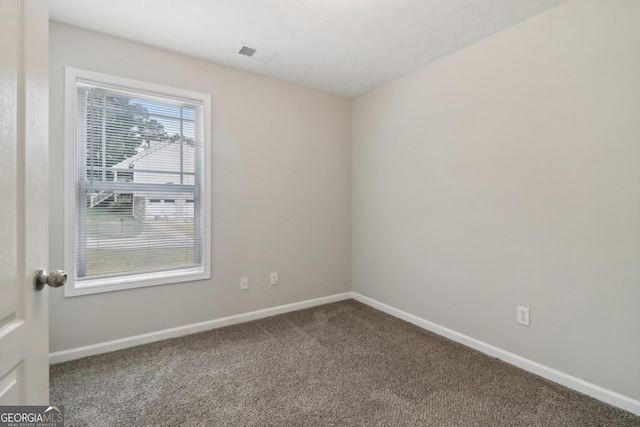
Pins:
x: 139, y: 186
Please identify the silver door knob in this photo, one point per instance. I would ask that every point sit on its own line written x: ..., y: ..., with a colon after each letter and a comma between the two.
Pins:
x: 55, y: 279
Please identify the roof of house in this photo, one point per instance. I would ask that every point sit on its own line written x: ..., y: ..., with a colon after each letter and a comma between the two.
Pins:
x: 128, y: 162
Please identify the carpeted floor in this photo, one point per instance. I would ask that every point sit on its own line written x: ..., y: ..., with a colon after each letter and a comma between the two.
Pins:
x: 341, y: 364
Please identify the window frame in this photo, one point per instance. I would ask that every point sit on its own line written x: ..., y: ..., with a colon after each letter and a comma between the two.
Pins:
x: 131, y: 281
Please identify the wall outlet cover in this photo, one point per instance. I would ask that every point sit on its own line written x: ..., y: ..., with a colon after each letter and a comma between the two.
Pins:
x: 523, y: 316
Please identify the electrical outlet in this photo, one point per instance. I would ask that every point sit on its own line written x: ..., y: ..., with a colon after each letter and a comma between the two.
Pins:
x: 244, y: 283
x: 523, y: 316
x: 274, y: 278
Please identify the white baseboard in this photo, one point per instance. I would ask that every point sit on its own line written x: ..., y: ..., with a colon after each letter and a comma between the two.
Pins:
x: 595, y: 391
x: 119, y: 344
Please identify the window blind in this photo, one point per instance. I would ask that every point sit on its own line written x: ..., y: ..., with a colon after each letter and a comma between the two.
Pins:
x: 139, y: 192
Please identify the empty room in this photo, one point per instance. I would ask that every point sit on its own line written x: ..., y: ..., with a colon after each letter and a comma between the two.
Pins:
x: 320, y: 212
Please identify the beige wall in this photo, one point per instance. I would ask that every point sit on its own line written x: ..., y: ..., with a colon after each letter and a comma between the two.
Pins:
x: 509, y: 174
x: 281, y: 193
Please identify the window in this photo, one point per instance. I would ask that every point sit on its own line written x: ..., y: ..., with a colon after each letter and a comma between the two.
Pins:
x: 137, y: 204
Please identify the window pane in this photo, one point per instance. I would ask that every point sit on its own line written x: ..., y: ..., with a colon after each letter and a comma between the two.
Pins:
x: 136, y: 234
x: 139, y: 206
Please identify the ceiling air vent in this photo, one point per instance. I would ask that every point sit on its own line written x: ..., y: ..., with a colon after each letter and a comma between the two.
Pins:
x: 247, y: 51
x: 254, y: 52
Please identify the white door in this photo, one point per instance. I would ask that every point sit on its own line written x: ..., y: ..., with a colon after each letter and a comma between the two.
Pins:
x: 24, y: 88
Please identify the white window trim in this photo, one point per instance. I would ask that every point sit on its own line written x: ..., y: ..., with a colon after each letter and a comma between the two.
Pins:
x: 100, y: 285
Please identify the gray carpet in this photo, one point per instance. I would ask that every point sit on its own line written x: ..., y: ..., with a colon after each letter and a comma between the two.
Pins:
x: 341, y: 364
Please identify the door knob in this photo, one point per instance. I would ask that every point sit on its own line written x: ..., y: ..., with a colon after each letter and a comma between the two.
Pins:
x: 55, y: 279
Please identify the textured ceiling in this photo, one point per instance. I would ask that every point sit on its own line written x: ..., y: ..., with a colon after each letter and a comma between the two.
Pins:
x: 341, y: 46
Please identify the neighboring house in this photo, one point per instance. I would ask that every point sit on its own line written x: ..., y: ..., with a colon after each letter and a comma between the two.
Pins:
x: 164, y: 163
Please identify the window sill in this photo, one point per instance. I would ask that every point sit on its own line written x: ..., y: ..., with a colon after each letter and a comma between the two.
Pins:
x: 94, y: 286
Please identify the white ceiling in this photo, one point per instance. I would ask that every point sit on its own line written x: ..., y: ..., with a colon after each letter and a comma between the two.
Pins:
x: 341, y: 46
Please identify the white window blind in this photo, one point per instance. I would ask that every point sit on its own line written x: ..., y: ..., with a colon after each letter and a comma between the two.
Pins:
x: 139, y: 184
